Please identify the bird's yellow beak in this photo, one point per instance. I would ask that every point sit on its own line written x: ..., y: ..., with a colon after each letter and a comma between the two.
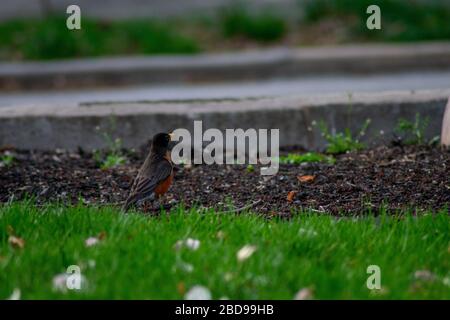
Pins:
x: 171, y: 136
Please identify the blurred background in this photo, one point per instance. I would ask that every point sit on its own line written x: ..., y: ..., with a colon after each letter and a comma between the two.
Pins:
x: 138, y: 53
x: 31, y: 30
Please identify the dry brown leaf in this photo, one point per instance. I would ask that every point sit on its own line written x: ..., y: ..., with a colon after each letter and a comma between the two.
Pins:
x: 16, y: 242
x: 291, y: 195
x: 306, y: 178
x: 181, y: 288
x: 101, y: 235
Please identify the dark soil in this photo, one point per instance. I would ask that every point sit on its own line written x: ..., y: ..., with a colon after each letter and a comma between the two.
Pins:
x: 412, y: 177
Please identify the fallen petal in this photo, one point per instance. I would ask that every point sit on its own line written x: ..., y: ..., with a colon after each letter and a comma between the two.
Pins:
x: 245, y: 252
x: 189, y: 243
x: 15, y: 295
x: 424, y: 275
x: 91, y: 241
x: 59, y: 282
x: 198, y: 293
x: 192, y: 244
x: 16, y: 242
x: 304, y: 294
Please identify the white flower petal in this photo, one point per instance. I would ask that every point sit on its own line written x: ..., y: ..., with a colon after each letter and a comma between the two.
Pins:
x: 424, y: 275
x: 304, y: 294
x: 189, y: 243
x: 91, y: 241
x: 245, y: 252
x: 59, y: 282
x: 15, y: 295
x: 198, y: 293
x: 192, y: 244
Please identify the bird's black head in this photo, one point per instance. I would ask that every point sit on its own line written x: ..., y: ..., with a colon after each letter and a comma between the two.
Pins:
x: 161, y: 140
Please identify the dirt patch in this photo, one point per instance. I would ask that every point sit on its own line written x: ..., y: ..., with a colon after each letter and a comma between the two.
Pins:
x: 394, y: 177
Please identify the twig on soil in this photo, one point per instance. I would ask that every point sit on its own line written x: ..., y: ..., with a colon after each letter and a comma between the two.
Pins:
x: 249, y: 206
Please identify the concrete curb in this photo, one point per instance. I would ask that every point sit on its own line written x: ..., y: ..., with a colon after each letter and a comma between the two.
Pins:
x: 249, y: 65
x: 70, y: 126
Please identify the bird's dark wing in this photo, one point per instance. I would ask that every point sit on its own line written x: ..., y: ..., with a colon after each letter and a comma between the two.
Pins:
x: 144, y: 186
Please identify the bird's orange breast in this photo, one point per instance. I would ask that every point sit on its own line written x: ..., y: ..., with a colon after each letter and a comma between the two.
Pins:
x: 164, y: 185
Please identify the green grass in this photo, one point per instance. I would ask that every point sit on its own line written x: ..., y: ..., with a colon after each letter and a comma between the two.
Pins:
x: 402, y: 20
x: 265, y: 27
x: 50, y: 39
x: 308, y: 157
x: 137, y: 259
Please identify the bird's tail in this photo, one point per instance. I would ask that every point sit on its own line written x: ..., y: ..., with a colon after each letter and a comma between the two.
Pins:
x: 129, y: 203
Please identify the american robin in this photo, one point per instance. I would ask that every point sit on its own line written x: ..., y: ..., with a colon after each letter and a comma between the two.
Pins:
x: 156, y: 174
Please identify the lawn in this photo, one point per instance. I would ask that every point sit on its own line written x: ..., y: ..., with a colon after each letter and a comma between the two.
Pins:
x: 135, y: 256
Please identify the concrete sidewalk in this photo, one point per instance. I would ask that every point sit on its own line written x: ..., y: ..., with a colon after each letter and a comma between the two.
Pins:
x: 238, y: 66
x: 412, y: 81
x: 73, y: 125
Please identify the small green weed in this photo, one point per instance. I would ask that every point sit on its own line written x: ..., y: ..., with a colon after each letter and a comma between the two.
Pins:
x: 114, y: 156
x: 413, y: 133
x: 7, y: 159
x: 295, y: 158
x: 342, y: 142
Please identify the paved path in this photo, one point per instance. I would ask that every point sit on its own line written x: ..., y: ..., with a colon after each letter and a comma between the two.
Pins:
x: 277, y: 87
